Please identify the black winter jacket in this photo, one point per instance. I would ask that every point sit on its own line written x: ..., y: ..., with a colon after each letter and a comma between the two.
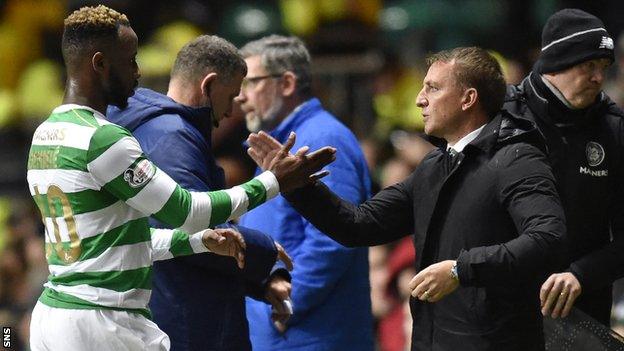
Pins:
x: 496, y: 212
x: 586, y: 150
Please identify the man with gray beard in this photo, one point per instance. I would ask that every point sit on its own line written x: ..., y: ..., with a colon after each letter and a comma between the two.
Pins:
x: 330, y: 288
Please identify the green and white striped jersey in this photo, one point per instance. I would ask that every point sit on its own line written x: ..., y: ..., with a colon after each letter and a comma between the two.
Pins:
x: 95, y: 189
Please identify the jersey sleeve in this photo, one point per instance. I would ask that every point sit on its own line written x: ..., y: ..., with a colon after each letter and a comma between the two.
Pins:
x: 117, y: 164
x: 170, y: 243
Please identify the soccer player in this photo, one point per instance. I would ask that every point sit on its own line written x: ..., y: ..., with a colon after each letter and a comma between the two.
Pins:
x: 95, y: 189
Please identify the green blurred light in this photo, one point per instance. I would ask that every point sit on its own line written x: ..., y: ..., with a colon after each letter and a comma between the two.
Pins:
x: 252, y: 22
x: 394, y: 18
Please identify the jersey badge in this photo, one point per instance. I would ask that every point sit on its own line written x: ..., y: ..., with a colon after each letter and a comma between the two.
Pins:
x: 140, y: 174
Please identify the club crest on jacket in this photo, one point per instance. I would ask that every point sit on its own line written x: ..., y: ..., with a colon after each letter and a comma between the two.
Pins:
x: 595, y: 153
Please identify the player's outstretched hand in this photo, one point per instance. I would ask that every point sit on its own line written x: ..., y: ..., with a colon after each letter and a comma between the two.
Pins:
x: 262, y: 149
x: 291, y: 171
x: 226, y: 242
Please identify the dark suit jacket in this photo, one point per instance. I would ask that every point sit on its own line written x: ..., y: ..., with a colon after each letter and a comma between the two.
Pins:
x: 496, y: 212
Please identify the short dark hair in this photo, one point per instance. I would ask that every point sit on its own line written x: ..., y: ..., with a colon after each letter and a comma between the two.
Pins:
x: 208, y: 53
x: 88, y: 27
x: 475, y: 68
x: 279, y: 54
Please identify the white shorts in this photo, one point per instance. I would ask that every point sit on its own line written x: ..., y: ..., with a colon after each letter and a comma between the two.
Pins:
x: 64, y: 329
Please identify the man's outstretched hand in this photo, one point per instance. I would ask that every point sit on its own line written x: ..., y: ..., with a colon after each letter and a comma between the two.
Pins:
x: 291, y: 171
x: 226, y: 242
x: 263, y: 148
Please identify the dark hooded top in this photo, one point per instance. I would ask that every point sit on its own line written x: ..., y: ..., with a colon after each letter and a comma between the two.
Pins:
x: 586, y: 150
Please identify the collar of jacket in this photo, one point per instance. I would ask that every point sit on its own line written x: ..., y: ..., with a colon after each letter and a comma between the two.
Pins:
x: 550, y: 109
x: 200, y: 118
x: 153, y: 104
x: 506, y: 128
x: 295, y: 119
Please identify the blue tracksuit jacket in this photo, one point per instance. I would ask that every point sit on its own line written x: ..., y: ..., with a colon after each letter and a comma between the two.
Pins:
x: 330, y: 286
x: 198, y: 300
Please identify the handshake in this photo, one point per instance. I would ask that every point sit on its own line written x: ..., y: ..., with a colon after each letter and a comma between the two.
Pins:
x: 291, y: 171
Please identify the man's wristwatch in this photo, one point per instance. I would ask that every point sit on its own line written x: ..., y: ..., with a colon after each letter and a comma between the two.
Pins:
x: 454, y: 272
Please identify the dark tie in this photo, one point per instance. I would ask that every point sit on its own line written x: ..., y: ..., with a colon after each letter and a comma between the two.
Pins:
x: 451, y: 158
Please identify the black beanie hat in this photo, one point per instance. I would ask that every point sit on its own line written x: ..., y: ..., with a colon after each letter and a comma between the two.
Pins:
x: 572, y: 36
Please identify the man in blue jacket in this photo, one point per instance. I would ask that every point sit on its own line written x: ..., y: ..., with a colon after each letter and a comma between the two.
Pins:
x: 199, y: 300
x: 331, y: 292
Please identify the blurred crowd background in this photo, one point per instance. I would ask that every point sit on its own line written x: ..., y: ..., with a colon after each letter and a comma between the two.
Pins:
x: 368, y: 65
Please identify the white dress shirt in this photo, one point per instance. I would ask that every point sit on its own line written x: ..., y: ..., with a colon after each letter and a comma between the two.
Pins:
x: 461, y: 144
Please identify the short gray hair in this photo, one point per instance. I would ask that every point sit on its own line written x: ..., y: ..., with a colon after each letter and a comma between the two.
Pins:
x: 279, y: 54
x: 208, y: 53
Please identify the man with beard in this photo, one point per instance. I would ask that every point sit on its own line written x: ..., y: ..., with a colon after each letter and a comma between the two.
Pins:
x: 584, y: 133
x: 95, y: 189
x: 331, y: 297
x: 174, y: 130
x: 483, y: 208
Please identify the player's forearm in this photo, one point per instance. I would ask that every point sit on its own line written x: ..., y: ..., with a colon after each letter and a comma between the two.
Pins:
x: 193, y: 211
x: 117, y: 164
x: 169, y: 243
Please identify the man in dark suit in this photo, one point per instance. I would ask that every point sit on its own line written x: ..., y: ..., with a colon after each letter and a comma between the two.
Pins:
x: 486, y: 218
